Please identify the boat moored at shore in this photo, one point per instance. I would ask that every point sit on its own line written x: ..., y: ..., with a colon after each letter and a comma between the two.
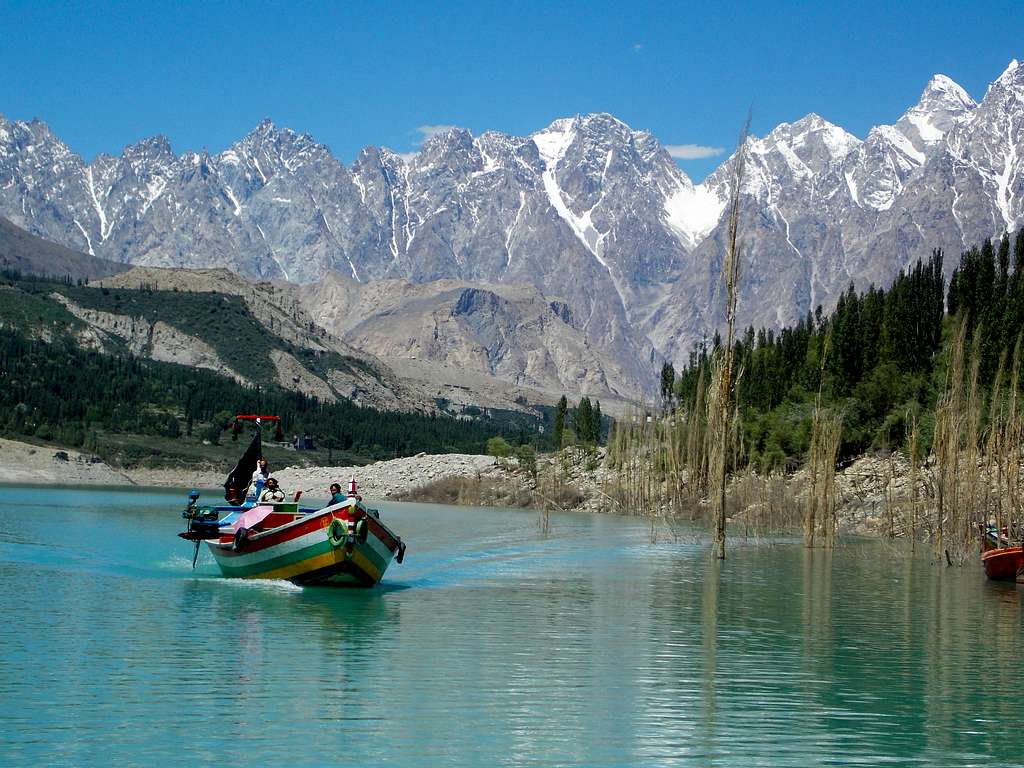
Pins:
x: 1000, y: 561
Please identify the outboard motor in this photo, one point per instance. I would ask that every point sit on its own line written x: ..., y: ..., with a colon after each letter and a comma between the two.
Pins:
x: 202, y: 523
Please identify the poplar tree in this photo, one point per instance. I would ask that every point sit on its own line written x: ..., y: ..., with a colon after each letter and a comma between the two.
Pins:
x: 559, y: 430
x: 583, y: 421
x: 668, y: 380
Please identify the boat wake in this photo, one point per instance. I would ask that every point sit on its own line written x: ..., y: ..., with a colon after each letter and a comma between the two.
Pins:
x: 268, y: 585
x: 183, y: 564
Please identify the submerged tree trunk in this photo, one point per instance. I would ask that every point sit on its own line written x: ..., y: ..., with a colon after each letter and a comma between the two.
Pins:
x: 731, y: 275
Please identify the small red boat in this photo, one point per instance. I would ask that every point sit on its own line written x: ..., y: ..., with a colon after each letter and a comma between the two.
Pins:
x: 1001, y: 562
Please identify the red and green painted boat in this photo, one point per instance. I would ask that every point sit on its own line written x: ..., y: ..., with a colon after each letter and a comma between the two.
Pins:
x: 342, y: 543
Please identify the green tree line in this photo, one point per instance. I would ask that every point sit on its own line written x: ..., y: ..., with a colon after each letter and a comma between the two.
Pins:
x: 878, y: 358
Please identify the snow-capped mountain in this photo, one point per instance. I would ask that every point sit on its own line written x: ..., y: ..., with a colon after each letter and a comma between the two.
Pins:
x: 822, y: 209
x: 587, y: 210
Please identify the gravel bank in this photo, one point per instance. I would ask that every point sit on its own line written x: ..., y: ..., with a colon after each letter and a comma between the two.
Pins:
x: 873, y: 493
x: 385, y: 479
x: 41, y: 465
x: 23, y: 463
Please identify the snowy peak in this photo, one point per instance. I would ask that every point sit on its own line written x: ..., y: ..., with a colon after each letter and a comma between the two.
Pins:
x: 1013, y: 73
x: 1005, y: 94
x: 605, y: 127
x: 156, y: 149
x: 265, y: 132
x: 942, y: 105
x: 987, y: 153
x: 35, y: 133
x: 554, y: 140
x: 450, y: 139
x: 449, y: 153
x: 942, y: 90
x: 808, y: 146
x: 876, y: 174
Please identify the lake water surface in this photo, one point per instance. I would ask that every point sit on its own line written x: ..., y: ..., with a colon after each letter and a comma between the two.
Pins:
x: 492, y: 645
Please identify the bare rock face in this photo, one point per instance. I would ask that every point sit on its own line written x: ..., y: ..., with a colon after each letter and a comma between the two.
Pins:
x: 509, y: 332
x: 291, y: 374
x: 589, y: 212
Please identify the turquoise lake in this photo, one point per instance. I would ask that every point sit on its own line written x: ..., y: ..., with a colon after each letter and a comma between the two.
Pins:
x: 493, y: 645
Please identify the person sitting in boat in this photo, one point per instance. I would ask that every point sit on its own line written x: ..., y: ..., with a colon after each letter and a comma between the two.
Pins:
x: 259, y: 478
x: 272, y: 494
x: 337, y: 497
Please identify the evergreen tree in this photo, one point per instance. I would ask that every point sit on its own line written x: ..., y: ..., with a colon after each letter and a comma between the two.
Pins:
x: 559, y: 430
x: 668, y: 380
x: 597, y: 421
x: 583, y: 421
x: 1003, y: 259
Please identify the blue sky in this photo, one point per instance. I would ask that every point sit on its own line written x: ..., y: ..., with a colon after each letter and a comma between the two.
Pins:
x: 106, y: 75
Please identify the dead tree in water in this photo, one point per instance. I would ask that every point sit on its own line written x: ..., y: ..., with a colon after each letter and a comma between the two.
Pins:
x: 913, y: 442
x: 826, y: 430
x: 722, y: 380
x: 946, y: 443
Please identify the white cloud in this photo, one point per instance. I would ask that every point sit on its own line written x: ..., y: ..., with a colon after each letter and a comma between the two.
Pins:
x: 638, y: 47
x: 692, y: 151
x: 430, y: 131
x: 426, y: 132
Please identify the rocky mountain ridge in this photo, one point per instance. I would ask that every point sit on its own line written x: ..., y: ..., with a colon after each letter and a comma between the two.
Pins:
x: 587, y: 210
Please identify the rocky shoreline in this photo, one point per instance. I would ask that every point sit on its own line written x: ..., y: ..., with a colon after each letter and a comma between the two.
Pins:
x: 393, y: 479
x: 27, y: 464
x: 871, y: 492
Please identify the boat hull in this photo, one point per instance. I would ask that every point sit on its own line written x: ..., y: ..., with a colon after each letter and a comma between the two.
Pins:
x: 1003, y: 564
x: 302, y: 552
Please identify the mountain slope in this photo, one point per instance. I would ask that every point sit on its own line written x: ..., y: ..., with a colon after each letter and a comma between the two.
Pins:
x: 320, y: 358
x: 31, y: 255
x: 512, y: 333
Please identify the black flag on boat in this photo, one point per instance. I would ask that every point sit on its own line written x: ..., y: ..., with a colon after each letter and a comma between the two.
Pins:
x: 238, y: 481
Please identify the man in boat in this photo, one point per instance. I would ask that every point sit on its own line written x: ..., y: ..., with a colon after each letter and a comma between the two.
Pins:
x: 337, y: 497
x: 272, y: 494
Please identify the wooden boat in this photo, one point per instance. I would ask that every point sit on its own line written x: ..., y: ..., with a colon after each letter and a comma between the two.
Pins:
x: 343, y: 543
x: 1003, y: 563
x: 1000, y: 561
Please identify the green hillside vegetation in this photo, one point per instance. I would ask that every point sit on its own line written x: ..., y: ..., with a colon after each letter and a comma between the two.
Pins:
x: 138, y: 411
x: 223, y: 321
x: 30, y: 310
x: 57, y: 391
x: 879, y: 358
